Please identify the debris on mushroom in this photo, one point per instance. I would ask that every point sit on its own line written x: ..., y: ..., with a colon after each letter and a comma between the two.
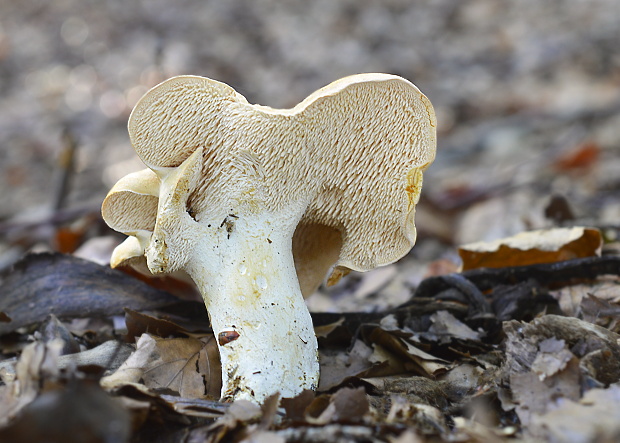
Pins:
x: 257, y: 204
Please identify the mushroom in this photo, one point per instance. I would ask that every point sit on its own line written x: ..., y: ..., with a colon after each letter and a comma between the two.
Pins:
x: 257, y: 204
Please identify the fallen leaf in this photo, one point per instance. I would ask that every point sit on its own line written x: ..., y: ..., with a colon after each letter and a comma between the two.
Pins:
x: 347, y: 405
x: 414, y: 358
x: 533, y: 247
x: 296, y: 407
x: 187, y: 366
x: 594, y: 418
x: 239, y: 415
x: 79, y: 412
x: 553, y: 357
x: 597, y: 348
x: 41, y: 284
x: 139, y: 323
x: 336, y: 367
x: 534, y: 396
x: 447, y: 327
x: 195, y: 407
x: 37, y: 362
x: 324, y: 330
x: 54, y: 329
x: 579, y: 158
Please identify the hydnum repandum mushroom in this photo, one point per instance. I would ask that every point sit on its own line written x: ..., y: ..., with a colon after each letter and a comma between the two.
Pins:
x: 258, y: 204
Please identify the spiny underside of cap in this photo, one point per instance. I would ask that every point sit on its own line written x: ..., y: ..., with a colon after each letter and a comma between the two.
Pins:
x: 353, y: 152
x: 131, y: 205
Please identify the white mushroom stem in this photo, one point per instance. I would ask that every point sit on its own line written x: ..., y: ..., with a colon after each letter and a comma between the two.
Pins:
x: 242, y: 262
x: 245, y: 271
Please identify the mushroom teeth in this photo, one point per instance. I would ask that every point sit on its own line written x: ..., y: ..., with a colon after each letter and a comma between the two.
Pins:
x: 131, y: 205
x: 354, y: 150
x: 131, y: 208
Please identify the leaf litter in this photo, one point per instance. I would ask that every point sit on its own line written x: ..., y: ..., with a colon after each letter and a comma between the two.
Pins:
x: 471, y: 356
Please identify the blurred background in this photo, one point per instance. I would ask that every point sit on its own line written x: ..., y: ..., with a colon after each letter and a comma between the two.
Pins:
x: 526, y: 94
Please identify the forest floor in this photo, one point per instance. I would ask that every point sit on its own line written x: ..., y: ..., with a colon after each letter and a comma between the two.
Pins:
x: 528, y: 107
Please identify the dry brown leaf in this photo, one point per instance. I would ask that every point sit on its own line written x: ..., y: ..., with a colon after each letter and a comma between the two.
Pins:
x: 187, y: 366
x: 533, y: 247
x: 535, y: 396
x: 336, y: 367
x: 447, y: 327
x: 139, y: 323
x: 414, y: 359
x: 296, y: 407
x: 347, y: 405
x: 580, y: 158
x: 597, y: 348
x: 324, y: 330
x: 239, y: 415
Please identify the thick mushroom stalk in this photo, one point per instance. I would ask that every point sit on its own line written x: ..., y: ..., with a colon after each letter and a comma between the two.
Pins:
x: 256, y: 204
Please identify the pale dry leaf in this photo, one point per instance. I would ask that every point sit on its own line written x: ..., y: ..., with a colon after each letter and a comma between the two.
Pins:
x: 187, y: 366
x: 324, y: 330
x: 336, y: 367
x: 535, y: 397
x: 38, y: 361
x: 596, y: 417
x: 552, y: 358
x: 346, y: 405
x: 447, y: 326
x: 240, y: 413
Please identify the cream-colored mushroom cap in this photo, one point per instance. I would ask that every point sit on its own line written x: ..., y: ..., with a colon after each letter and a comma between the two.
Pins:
x: 351, y: 154
x: 131, y: 208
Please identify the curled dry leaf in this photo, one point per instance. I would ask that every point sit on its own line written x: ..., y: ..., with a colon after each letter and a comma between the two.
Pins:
x: 187, y: 366
x: 414, y: 358
x: 528, y: 248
